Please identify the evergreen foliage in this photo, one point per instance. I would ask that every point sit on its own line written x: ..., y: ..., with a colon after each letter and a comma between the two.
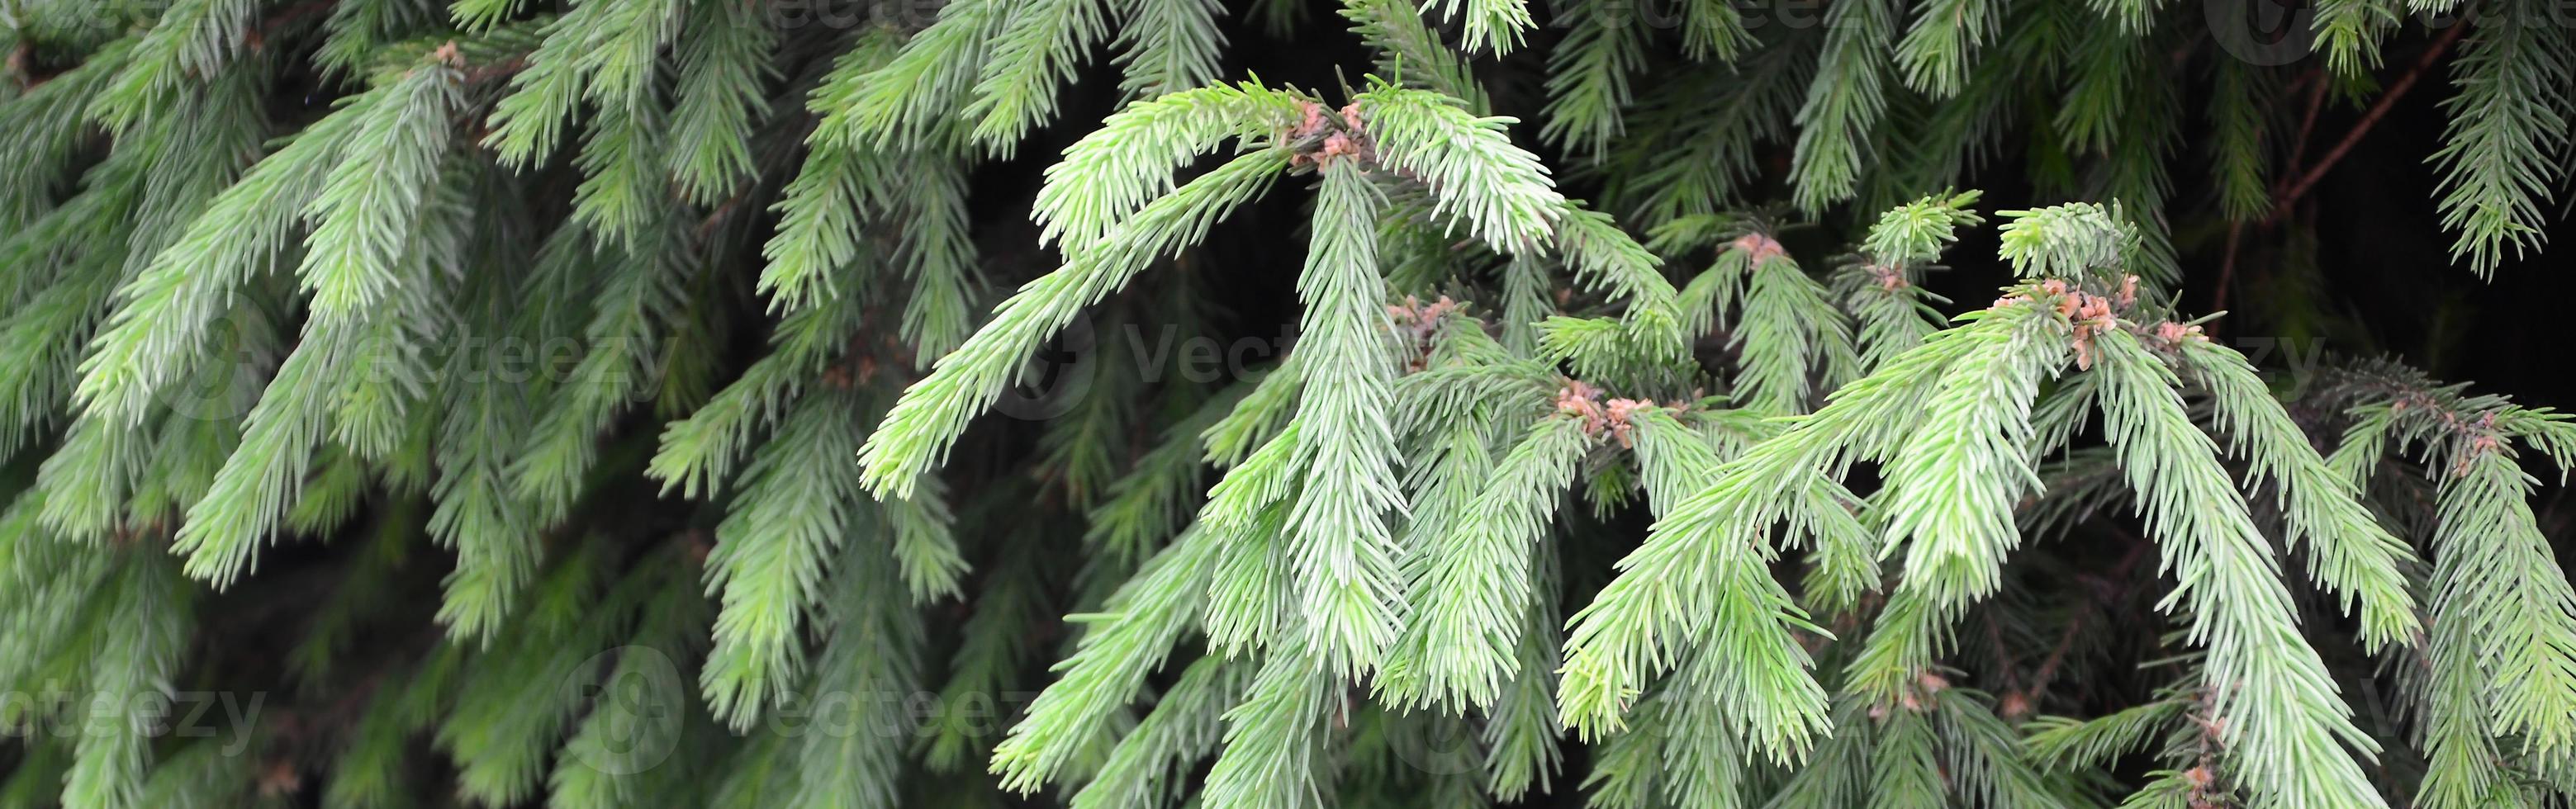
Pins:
x: 589, y: 403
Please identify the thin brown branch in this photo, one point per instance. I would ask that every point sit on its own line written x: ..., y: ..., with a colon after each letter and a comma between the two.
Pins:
x: 2318, y: 85
x: 2111, y: 589
x: 2004, y: 661
x: 2378, y: 110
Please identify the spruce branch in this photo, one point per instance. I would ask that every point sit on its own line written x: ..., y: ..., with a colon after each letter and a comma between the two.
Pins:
x: 1112, y: 173
x: 1493, y: 26
x: 1952, y: 487
x: 917, y: 432
x: 795, y: 512
x: 1587, y: 79
x: 1167, y: 46
x: 1940, y: 47
x: 910, y: 101
x: 723, y: 54
x: 1039, y: 47
x: 167, y: 313
x: 1469, y: 165
x: 1843, y: 103
x: 1273, y: 738
x: 1472, y: 586
x: 366, y: 207
x: 2348, y: 548
x: 2284, y: 727
x: 1124, y: 643
x: 2503, y: 125
x: 1149, y: 766
x: 1341, y: 548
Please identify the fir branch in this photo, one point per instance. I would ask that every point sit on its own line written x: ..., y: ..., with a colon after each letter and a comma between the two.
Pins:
x: 874, y: 653
x: 1788, y: 330
x: 2284, y: 728
x: 1701, y: 561
x: 604, y: 51
x: 1411, y: 53
x: 1940, y: 47
x: 1270, y: 759
x: 1522, y: 737
x: 2349, y: 32
x: 522, y: 695
x: 1587, y: 78
x: 52, y: 121
x: 1150, y: 765
x: 1108, y: 176
x: 636, y: 304
x: 1493, y: 26
x: 1951, y: 490
x: 1012, y: 602
x: 2114, y: 62
x: 797, y: 508
x: 2062, y: 743
x: 2493, y: 570
x: 1109, y: 664
x: 1471, y: 587
x: 1038, y: 48
x: 697, y: 453
x: 820, y: 229
x: 356, y: 30
x: 1166, y: 46
x: 938, y: 255
x: 1341, y: 548
x: 916, y: 433
x: 641, y: 711
x: 2503, y: 126
x: 366, y: 207
x: 2238, y: 103
x: 140, y: 644
x: 1843, y: 103
x: 925, y: 543
x: 1714, y: 30
x: 2349, y: 550
x: 1248, y: 513
x: 1470, y: 166
x: 191, y: 38
x: 723, y: 55
x: 914, y: 97
x: 223, y: 530
x: 167, y: 313
x: 623, y: 185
